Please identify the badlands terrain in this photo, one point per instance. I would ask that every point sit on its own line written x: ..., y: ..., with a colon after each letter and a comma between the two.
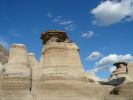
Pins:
x: 59, y: 75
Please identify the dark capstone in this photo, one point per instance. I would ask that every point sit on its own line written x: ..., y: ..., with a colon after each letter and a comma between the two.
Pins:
x: 117, y: 64
x: 55, y: 36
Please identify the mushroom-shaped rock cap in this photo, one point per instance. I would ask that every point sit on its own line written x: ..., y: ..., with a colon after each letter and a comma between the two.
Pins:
x: 118, y: 63
x: 55, y: 36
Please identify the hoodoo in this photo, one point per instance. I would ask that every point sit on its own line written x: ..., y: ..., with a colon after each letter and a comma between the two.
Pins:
x: 15, y: 80
x: 62, y: 76
x: 59, y: 75
x: 120, y: 75
x: 60, y: 57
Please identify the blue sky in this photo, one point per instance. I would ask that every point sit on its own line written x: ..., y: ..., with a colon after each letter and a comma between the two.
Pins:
x: 103, y: 30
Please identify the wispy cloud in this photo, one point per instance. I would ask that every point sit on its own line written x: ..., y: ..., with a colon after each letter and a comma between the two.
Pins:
x: 4, y: 43
x: 49, y: 15
x: 88, y: 34
x: 94, y: 55
x: 17, y: 35
x: 113, y: 11
x: 68, y: 24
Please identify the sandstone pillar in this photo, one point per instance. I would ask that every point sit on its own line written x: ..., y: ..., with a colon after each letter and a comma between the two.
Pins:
x: 15, y: 80
x: 62, y: 76
x: 120, y: 75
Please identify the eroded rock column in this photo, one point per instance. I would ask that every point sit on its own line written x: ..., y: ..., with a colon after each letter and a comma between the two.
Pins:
x: 120, y: 75
x: 15, y: 80
x: 62, y: 76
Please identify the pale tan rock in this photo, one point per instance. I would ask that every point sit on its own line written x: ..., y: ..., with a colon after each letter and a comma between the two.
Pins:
x: 130, y: 70
x: 61, y: 60
x: 18, y: 64
x: 1, y: 68
x: 15, y: 80
x: 35, y: 67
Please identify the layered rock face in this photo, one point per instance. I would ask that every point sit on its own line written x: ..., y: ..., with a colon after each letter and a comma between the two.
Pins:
x: 130, y: 70
x: 15, y: 80
x: 35, y: 67
x: 60, y: 59
x: 62, y: 75
x: 120, y: 75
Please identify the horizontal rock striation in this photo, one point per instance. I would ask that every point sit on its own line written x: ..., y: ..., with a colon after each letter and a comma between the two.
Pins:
x: 59, y: 75
x: 120, y: 75
x: 15, y: 80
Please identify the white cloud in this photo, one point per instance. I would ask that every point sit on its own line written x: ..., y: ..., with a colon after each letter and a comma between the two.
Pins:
x: 94, y: 55
x: 4, y: 43
x: 68, y: 24
x: 113, y: 58
x: 111, y: 12
x: 106, y: 63
x: 111, y: 69
x: 88, y: 34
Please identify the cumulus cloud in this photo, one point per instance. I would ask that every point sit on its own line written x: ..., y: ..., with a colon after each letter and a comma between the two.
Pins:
x: 106, y: 63
x: 113, y: 58
x: 88, y: 34
x: 94, y: 55
x: 113, y: 11
x: 68, y: 24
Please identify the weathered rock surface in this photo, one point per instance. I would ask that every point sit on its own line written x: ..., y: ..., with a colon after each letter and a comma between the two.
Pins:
x: 124, y: 90
x: 55, y: 36
x: 15, y: 80
x: 3, y: 55
x: 120, y: 75
x: 130, y: 70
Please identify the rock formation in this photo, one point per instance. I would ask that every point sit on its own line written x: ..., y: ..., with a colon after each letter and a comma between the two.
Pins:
x: 15, y: 80
x: 3, y: 55
x: 62, y: 74
x: 120, y: 75
x: 59, y: 75
x: 55, y: 36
